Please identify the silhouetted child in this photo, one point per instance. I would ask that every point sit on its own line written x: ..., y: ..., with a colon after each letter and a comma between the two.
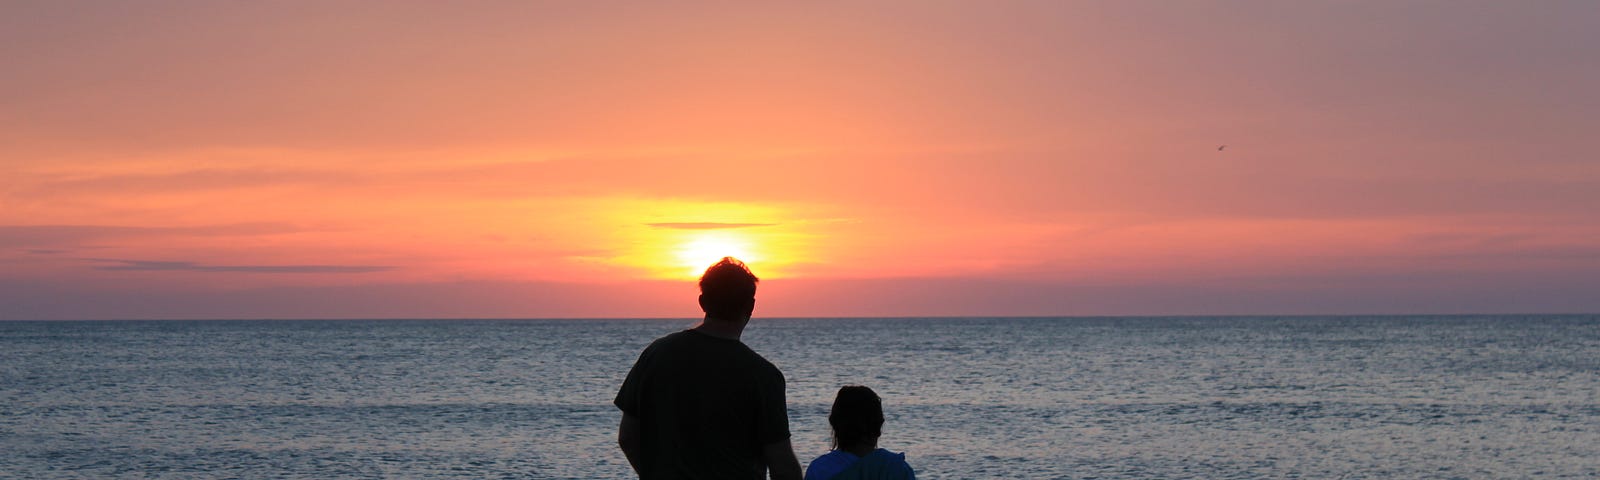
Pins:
x: 857, y: 420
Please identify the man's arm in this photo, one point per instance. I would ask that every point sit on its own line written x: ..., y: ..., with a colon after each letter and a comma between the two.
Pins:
x: 779, y: 457
x: 628, y: 439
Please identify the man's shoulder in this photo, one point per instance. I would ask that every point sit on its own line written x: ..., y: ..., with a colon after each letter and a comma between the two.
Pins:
x: 765, y: 364
x: 733, y: 351
x: 674, y: 337
x: 690, y: 335
x: 676, y: 340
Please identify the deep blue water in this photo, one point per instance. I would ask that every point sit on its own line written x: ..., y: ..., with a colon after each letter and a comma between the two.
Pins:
x: 1250, y: 397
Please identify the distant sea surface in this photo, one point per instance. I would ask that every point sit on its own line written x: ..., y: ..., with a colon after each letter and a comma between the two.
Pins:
x: 1109, y: 398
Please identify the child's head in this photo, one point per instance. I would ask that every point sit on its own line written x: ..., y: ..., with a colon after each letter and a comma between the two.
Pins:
x: 857, y: 417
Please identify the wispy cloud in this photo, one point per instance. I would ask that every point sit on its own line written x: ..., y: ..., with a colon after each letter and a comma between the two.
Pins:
x: 147, y: 265
x: 56, y: 235
x: 211, y: 179
x: 707, y: 225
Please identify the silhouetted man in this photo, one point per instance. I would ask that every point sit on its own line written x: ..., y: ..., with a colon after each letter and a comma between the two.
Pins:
x: 699, y: 404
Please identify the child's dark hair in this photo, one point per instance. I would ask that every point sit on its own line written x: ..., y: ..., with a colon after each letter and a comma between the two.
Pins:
x: 857, y: 416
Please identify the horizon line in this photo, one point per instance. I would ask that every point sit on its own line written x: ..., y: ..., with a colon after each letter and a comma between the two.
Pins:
x: 839, y: 317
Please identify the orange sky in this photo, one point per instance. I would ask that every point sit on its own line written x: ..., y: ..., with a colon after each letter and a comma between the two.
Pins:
x: 519, y: 159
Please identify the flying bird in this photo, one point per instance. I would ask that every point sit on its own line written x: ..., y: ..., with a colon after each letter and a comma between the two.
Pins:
x: 1220, y: 147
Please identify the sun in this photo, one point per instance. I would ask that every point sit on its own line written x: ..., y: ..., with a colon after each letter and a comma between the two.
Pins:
x: 704, y: 249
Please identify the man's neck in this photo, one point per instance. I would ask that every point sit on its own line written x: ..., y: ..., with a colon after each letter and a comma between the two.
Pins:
x: 725, y: 329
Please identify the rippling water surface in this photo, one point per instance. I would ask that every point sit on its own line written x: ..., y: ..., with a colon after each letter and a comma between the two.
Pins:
x: 1306, y: 397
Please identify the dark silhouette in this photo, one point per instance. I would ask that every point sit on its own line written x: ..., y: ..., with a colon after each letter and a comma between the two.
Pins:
x: 857, y: 420
x: 699, y: 403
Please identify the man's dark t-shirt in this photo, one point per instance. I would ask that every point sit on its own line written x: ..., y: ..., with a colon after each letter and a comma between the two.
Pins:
x: 705, y: 405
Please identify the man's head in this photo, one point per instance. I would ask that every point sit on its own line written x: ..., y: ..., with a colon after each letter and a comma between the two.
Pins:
x: 728, y: 291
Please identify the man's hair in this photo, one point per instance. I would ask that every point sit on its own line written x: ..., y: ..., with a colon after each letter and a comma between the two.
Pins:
x: 728, y: 289
x: 857, y: 416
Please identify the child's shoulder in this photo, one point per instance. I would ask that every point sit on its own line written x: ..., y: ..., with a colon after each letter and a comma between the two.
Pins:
x: 894, y: 461
x: 830, y: 464
x: 836, y: 456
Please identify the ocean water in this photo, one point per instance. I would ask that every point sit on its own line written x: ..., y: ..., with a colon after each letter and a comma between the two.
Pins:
x: 1107, y: 398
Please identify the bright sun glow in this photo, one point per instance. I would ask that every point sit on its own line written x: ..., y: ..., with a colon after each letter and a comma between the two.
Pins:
x: 702, y: 250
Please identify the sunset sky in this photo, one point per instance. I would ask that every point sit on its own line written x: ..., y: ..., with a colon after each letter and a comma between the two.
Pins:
x: 584, y: 159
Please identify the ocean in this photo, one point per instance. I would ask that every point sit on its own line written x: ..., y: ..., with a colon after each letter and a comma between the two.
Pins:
x: 1442, y: 397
